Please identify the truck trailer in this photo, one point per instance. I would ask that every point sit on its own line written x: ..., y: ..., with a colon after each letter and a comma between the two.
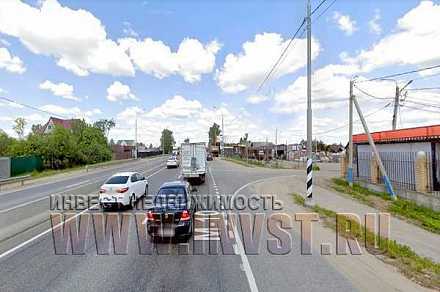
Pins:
x: 193, y: 162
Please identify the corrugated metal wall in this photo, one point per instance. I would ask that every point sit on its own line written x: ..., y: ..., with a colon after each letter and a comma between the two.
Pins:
x: 25, y: 164
x: 5, y: 167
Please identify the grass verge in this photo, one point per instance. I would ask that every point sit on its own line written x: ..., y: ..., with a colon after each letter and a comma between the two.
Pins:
x: 424, y: 217
x: 417, y: 268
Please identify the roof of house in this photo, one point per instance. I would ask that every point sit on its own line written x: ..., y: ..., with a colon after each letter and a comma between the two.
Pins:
x: 426, y: 133
x: 126, y: 142
x: 67, y: 124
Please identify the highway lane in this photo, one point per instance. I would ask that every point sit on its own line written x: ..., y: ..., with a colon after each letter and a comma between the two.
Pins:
x: 25, y: 220
x: 12, y: 198
x: 36, y: 268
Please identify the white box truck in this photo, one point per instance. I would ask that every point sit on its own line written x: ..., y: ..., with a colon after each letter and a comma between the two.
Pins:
x: 193, y: 162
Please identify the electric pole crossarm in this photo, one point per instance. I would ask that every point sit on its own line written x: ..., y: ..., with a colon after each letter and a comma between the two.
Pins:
x: 385, y: 177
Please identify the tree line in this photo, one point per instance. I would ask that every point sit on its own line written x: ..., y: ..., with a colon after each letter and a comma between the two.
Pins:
x: 83, y: 144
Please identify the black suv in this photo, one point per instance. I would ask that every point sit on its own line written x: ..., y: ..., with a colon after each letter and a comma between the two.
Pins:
x: 172, y: 212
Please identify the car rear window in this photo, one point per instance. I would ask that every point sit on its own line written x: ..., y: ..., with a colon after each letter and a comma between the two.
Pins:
x: 171, y: 195
x: 117, y: 180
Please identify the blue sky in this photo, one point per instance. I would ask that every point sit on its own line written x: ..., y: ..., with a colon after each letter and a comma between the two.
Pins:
x: 167, y: 87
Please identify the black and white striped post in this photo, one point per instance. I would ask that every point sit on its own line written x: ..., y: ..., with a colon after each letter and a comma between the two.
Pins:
x: 309, y: 179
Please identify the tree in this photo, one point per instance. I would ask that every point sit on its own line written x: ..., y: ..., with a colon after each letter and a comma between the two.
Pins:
x: 151, y: 146
x: 105, y: 125
x: 186, y: 140
x: 20, y: 124
x: 167, y: 141
x: 37, y: 129
x: 5, y: 142
x: 244, y: 139
x: 214, y: 132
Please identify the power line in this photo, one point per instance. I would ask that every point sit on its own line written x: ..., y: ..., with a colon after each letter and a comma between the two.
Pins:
x: 401, y: 74
x: 284, y: 52
x: 317, y: 7
x: 358, y: 120
x: 324, y: 11
x: 421, y: 109
x: 32, y: 107
x: 422, y: 103
x: 371, y: 95
x: 281, y: 56
x: 423, y: 88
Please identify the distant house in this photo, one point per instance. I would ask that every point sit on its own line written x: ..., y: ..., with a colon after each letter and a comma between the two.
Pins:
x: 130, y: 143
x: 50, y: 125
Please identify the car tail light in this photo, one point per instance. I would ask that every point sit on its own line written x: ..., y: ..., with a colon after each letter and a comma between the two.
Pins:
x: 102, y: 191
x: 150, y: 216
x: 185, y: 216
x: 122, y: 190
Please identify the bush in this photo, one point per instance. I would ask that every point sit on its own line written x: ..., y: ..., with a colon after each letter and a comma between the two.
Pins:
x: 61, y: 148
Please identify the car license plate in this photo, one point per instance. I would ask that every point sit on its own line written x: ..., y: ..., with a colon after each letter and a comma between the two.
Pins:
x: 166, y: 232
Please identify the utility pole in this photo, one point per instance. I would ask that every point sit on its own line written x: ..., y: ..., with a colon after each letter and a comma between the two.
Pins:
x: 309, y: 182
x: 276, y: 143
x: 397, y: 102
x: 385, y: 177
x: 136, y: 138
x: 396, y: 106
x: 222, y: 146
x: 350, y: 137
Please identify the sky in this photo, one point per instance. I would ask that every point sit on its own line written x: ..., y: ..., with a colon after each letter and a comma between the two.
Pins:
x: 183, y: 65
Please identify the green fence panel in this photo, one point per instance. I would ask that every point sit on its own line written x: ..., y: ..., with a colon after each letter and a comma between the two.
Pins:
x: 25, y: 164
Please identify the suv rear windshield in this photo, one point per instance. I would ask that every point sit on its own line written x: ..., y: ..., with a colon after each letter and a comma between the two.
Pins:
x: 171, y: 195
x: 117, y: 180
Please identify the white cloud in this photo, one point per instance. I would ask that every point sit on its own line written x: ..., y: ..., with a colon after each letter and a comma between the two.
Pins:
x: 176, y: 107
x: 374, y: 25
x: 118, y: 91
x: 75, y: 38
x: 11, y: 63
x: 72, y: 112
x: 5, y: 42
x: 186, y: 118
x: 345, y: 23
x: 191, y: 60
x: 128, y: 30
x: 249, y: 67
x: 61, y: 89
x: 417, y: 37
x: 256, y: 99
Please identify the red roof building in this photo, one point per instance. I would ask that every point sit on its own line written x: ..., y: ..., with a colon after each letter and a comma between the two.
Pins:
x: 398, y: 149
x: 66, y: 124
x: 427, y: 133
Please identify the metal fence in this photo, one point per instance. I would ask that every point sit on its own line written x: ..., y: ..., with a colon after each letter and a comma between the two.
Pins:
x: 25, y: 164
x: 400, y: 167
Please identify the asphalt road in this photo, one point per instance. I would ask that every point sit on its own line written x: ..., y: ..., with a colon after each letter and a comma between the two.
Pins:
x: 35, y: 267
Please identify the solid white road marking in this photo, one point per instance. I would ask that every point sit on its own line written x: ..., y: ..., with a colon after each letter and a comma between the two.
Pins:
x: 77, y: 184
x: 239, y: 249
x: 10, y: 251
x: 61, y: 180
x: 58, y: 192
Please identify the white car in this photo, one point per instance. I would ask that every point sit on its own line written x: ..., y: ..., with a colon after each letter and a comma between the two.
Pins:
x: 123, y: 189
x: 173, y: 161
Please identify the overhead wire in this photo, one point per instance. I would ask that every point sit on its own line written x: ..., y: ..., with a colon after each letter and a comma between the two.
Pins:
x: 401, y: 74
x: 291, y: 41
x: 32, y: 107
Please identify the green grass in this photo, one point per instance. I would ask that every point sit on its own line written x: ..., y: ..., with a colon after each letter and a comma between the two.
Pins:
x: 245, y: 162
x: 423, y: 270
x: 419, y: 215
